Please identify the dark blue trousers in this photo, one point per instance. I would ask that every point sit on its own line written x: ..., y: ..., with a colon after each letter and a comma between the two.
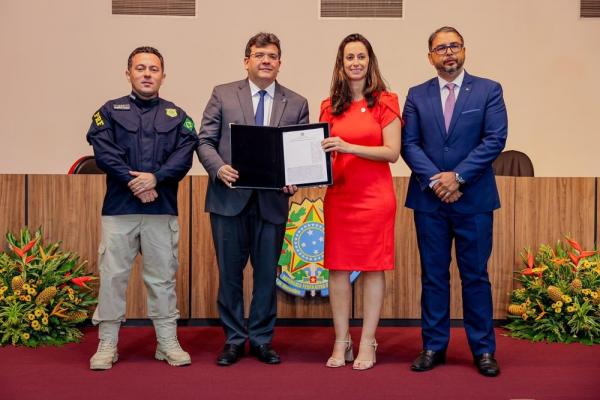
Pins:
x: 472, y: 234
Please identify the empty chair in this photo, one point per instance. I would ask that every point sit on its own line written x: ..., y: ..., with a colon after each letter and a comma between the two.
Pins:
x: 85, y: 165
x: 513, y: 163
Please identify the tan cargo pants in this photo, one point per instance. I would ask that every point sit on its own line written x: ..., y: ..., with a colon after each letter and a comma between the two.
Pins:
x: 123, y: 237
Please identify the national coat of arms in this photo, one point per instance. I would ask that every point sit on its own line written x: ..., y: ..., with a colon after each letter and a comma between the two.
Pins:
x: 301, y: 259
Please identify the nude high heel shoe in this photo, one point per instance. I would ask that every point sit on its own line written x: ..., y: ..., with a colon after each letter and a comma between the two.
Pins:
x: 362, y: 365
x: 348, y: 355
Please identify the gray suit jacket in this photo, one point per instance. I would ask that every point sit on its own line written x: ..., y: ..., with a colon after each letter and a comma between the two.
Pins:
x: 232, y: 103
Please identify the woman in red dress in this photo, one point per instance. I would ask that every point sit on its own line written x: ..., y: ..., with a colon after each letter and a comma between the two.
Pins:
x: 360, y: 206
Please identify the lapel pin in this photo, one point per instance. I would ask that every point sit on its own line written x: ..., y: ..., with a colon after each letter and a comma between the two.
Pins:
x: 362, y: 109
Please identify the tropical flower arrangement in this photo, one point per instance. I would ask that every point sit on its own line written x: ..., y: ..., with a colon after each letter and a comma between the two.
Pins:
x: 44, y: 292
x: 559, y: 297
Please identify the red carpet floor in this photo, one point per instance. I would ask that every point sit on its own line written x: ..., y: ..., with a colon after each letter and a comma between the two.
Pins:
x: 529, y: 371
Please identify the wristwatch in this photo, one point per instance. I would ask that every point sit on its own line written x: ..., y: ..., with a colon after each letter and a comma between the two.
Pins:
x: 459, y: 179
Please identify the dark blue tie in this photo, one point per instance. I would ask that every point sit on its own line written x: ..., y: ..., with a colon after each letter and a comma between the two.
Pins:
x: 260, y: 109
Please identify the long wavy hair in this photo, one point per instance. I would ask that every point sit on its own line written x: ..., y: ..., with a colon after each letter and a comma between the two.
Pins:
x: 341, y: 96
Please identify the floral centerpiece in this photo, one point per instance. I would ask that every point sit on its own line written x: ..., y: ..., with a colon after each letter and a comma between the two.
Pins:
x: 559, y: 297
x: 44, y: 292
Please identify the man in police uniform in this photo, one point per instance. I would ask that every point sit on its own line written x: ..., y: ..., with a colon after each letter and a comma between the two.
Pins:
x: 145, y: 145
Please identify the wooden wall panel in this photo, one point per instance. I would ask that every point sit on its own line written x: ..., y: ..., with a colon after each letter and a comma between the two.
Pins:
x: 534, y: 211
x: 205, y: 273
x: 68, y: 208
x: 501, y: 263
x: 403, y: 284
x: 12, y: 205
x: 546, y: 209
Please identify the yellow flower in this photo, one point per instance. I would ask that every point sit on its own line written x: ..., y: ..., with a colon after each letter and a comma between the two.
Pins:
x: 571, y: 309
x: 23, y: 298
x: 31, y: 291
x: 558, y: 310
x: 553, y: 305
x: 568, y: 299
x: 38, y: 312
x: 26, y: 286
x: 35, y: 325
x: 524, y: 316
x: 30, y: 316
x: 70, y: 291
x: 71, y: 297
x: 559, y: 304
x: 45, y: 320
x: 17, y: 292
x: 28, y: 298
x: 25, y: 336
x: 594, y: 295
x: 586, y: 292
x: 586, y: 299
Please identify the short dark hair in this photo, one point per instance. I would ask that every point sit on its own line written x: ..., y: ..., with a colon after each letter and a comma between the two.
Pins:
x: 262, y: 39
x: 145, y: 49
x: 445, y: 29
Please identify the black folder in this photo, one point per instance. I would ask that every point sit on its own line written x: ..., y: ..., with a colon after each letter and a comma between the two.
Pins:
x: 257, y: 153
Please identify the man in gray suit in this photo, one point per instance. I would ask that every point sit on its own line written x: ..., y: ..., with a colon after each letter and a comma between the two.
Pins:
x: 247, y: 223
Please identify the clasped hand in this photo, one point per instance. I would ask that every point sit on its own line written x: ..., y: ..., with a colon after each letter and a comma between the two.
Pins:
x: 143, y: 186
x: 228, y: 175
x: 446, y: 187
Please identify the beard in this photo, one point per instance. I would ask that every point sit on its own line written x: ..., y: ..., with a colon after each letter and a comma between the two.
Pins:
x: 450, y: 69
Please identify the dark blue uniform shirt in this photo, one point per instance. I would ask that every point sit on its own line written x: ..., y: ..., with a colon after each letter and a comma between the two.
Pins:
x: 131, y: 134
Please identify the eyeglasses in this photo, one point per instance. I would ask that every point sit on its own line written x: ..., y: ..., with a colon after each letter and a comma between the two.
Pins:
x: 442, y: 49
x: 261, y: 56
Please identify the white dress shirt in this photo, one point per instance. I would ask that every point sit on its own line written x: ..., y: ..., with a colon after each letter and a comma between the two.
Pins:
x: 268, y: 99
x: 444, y: 91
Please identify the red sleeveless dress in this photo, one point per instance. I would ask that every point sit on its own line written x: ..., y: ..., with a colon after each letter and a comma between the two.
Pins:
x: 360, y: 206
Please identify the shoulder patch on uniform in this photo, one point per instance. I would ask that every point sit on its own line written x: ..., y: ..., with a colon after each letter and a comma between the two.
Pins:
x: 98, y: 119
x: 171, y: 112
x: 188, y: 124
x: 125, y: 106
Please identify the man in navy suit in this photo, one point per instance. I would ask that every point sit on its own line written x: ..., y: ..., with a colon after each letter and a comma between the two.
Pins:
x: 455, y: 127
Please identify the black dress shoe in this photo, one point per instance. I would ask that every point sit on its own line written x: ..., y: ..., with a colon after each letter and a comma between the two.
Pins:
x: 487, y: 364
x: 265, y: 353
x: 428, y: 359
x: 231, y: 354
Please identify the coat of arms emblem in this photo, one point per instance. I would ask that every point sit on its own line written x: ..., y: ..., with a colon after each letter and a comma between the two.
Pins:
x: 301, y: 260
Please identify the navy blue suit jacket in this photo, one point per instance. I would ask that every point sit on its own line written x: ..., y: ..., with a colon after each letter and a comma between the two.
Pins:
x: 476, y: 136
